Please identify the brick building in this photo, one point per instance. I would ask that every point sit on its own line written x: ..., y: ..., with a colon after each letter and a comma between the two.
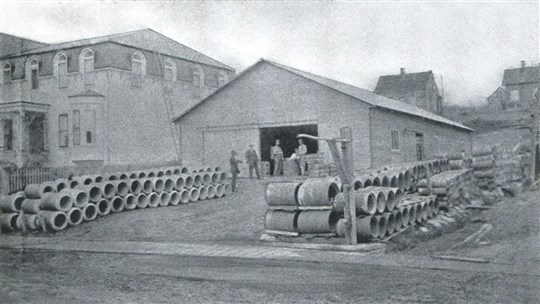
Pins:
x: 271, y: 101
x: 103, y: 100
x: 417, y: 89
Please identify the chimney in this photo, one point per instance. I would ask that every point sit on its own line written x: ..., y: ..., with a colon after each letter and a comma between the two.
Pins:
x: 402, y: 71
x: 523, y: 63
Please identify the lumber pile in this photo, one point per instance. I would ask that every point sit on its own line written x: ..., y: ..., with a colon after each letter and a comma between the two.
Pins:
x: 54, y: 205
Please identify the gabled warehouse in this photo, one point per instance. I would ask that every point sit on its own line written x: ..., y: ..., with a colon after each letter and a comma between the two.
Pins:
x: 271, y: 101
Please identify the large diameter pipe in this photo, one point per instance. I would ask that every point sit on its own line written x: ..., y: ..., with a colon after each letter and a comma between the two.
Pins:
x: 135, y: 186
x: 74, y: 216
x: 282, y: 194
x: 12, y: 203
x: 169, y: 184
x: 35, y: 191
x: 184, y: 196
x: 223, y: 177
x: 122, y: 188
x: 419, y: 213
x: 207, y: 179
x: 281, y: 220
x: 211, y: 191
x: 164, y: 199
x: 147, y: 186
x: 158, y: 184
x: 381, y: 202
x: 317, y: 192
x: 84, y: 180
x: 89, y: 212
x: 203, y: 193
x: 142, y: 201
x: 189, y: 181
x: 390, y: 200
x: 175, y: 198
x: 57, y: 201
x: 94, y: 192
x: 405, y: 219
x: 194, y: 194
x: 117, y: 204
x: 317, y: 221
x: 367, y: 228
x: 130, y: 202
x: 220, y: 190
x: 365, y: 203
x: 412, y: 214
x: 80, y: 197
x: 197, y: 180
x: 179, y: 183
x: 153, y: 200
x: 8, y: 221
x: 382, y: 225
x: 215, y: 178
x: 61, y: 183
x: 108, y: 189
x: 228, y: 189
x: 390, y: 224
x: 103, y: 207
x: 53, y: 220
x: 397, y: 220
x: 31, y: 206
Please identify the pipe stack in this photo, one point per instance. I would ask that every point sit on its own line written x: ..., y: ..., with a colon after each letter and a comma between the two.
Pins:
x: 483, y: 166
x: 451, y: 187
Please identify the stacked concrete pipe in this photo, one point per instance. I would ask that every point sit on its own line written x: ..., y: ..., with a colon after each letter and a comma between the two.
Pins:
x: 52, y: 220
x: 89, y: 212
x: 13, y: 202
x: 74, y: 216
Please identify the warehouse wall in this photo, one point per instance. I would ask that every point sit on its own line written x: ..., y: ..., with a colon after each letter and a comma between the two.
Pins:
x: 438, y: 138
x: 270, y: 96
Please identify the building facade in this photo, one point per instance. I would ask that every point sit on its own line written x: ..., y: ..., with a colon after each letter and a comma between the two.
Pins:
x: 417, y: 89
x: 104, y: 100
x: 271, y: 101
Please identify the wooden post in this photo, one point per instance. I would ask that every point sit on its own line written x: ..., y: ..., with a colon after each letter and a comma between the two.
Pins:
x: 534, y: 107
x: 348, y: 187
x: 428, y: 179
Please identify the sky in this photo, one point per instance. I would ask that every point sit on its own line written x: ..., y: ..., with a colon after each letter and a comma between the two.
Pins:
x: 469, y: 44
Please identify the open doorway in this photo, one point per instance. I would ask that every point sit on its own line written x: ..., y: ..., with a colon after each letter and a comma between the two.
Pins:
x: 288, y: 141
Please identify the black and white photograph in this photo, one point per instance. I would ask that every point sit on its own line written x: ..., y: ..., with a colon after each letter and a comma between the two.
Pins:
x: 265, y: 151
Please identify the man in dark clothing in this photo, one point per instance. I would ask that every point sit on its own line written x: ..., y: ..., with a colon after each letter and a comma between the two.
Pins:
x: 252, y: 160
x: 234, y: 169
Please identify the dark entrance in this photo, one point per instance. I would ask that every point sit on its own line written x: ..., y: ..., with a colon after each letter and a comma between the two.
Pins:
x: 419, y: 146
x: 288, y: 140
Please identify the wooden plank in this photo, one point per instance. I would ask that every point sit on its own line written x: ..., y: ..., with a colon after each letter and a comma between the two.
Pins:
x: 278, y: 232
x: 460, y: 258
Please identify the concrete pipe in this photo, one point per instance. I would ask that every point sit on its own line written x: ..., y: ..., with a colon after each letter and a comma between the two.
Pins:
x: 484, y: 174
x: 147, y: 186
x: 482, y: 165
x: 31, y: 206
x: 398, y: 197
x: 405, y: 219
x: 57, y: 201
x: 53, y: 220
x: 376, y: 181
x: 98, y: 178
x: 398, y: 220
x: 282, y: 193
x: 74, y: 216
x: 390, y: 224
x: 436, y: 206
x: 168, y: 172
x: 169, y: 184
x: 103, y: 207
x: 211, y: 192
x: 381, y: 201
x: 35, y: 191
x: 61, y: 183
x: 133, y: 175
x: 123, y: 176
x: 218, y: 169
x: 135, y: 186
x: 122, y: 187
x: 431, y: 212
x: 434, y: 183
x: 197, y: 180
x: 188, y: 181
x: 367, y: 228
x: 130, y: 202
x: 153, y: 200
x: 9, y: 221
x: 177, y: 171
x: 108, y: 189
x: 142, y: 201
x: 160, y: 173
x: 484, y: 158
x: 407, y: 179
x: 194, y: 194
x: 111, y: 177
x: 175, y: 198
x: 164, y: 199
x: 184, y: 196
x: 390, y: 199
x: 223, y: 177
x: 220, y: 190
x: 206, y: 179
x: 215, y: 178
x: 419, y: 212
x: 94, y: 192
x: 184, y: 170
x: 412, y: 214
x: 317, y: 221
x: 117, y: 204
x: 382, y: 225
x: 201, y: 170
x: 30, y: 221
x: 89, y: 212
x: 358, y: 183
x: 393, y: 181
x: 141, y: 175
x: 482, y: 151
x: 434, y: 190
x: 317, y: 192
x: 341, y: 227
x: 203, y: 193
x: 365, y: 203
x: 151, y: 174
x: 281, y: 220
x: 85, y: 180
x: 228, y: 189
x: 13, y: 202
x: 425, y: 211
x: 179, y: 182
x: 158, y: 184
x: 80, y: 197
x: 385, y: 180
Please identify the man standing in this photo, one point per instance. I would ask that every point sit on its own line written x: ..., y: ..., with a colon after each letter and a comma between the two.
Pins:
x: 302, y: 151
x: 252, y: 159
x: 277, y: 155
x: 234, y: 169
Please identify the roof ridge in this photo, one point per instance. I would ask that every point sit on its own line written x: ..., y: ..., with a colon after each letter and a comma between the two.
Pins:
x: 21, y: 37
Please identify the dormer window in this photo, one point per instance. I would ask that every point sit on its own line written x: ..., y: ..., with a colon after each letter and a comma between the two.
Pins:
x: 222, y: 79
x: 86, y: 66
x: 60, y: 69
x: 6, y: 72
x: 138, y: 68
x: 198, y: 76
x: 32, y: 67
x: 170, y: 70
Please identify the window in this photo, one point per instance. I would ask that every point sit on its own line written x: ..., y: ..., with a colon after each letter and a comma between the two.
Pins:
x: 76, y: 127
x: 63, y: 132
x: 86, y: 66
x: 33, y: 69
x: 6, y: 72
x: 222, y: 79
x: 395, y: 140
x: 198, y: 76
x: 8, y: 134
x: 138, y: 68
x: 170, y: 70
x: 88, y: 137
x: 60, y: 70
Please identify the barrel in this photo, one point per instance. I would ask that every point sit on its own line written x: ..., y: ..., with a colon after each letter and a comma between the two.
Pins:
x: 282, y: 194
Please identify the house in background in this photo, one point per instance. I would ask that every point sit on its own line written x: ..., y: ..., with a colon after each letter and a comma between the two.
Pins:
x: 417, y: 89
x: 517, y: 90
x: 103, y: 100
x: 10, y: 44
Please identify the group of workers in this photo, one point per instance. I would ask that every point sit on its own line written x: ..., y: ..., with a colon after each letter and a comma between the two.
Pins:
x: 276, y: 155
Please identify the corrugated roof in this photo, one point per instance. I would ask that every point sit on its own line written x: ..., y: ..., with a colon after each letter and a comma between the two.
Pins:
x: 521, y: 75
x: 395, y: 86
x: 146, y: 39
x: 360, y: 94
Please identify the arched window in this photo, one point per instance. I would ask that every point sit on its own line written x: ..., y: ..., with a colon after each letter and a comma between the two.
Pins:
x: 32, y: 69
x: 138, y: 63
x: 170, y: 70
x: 60, y: 64
x: 198, y: 76
x: 222, y: 79
x: 86, y: 61
x: 6, y: 72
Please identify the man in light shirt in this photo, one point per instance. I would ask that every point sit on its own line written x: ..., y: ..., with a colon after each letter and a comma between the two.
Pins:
x: 277, y: 155
x: 302, y: 151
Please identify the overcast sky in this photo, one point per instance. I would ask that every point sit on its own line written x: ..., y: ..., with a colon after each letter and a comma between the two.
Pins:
x: 469, y: 44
